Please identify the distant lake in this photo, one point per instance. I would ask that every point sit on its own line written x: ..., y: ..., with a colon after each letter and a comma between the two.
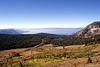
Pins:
x: 58, y: 38
x: 58, y: 31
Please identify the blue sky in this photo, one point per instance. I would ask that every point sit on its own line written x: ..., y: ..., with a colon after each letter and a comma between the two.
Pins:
x: 48, y: 13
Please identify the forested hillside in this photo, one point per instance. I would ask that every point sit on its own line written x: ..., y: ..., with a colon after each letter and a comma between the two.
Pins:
x: 30, y: 40
x: 18, y: 41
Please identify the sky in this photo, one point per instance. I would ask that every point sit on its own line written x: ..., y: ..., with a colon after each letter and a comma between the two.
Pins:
x: 48, y: 13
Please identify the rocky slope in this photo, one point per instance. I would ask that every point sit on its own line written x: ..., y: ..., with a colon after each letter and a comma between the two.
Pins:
x: 89, y: 31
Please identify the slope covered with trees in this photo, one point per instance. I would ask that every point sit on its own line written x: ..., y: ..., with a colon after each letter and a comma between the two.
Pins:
x: 23, y: 41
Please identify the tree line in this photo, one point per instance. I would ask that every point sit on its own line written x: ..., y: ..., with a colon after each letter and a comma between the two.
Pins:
x: 30, y: 40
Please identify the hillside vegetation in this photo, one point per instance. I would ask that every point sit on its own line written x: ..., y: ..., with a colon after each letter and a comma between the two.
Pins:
x: 49, y: 56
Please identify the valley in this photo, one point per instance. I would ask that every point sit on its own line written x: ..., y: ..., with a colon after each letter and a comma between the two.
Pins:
x: 50, y: 50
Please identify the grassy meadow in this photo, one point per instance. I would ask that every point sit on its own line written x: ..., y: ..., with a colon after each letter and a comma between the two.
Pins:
x: 49, y: 56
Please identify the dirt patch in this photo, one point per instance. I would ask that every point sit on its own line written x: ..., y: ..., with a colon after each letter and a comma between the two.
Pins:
x: 70, y: 47
x: 29, y: 53
x: 96, y: 49
x: 49, y: 45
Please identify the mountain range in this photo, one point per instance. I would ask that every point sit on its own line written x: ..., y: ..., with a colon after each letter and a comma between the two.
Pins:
x: 89, y: 31
x: 58, y: 31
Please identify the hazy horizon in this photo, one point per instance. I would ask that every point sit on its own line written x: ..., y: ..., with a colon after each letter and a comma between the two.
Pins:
x: 41, y: 27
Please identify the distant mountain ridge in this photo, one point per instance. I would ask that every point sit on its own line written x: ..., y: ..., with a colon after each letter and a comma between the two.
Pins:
x: 10, y: 31
x: 92, y: 29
